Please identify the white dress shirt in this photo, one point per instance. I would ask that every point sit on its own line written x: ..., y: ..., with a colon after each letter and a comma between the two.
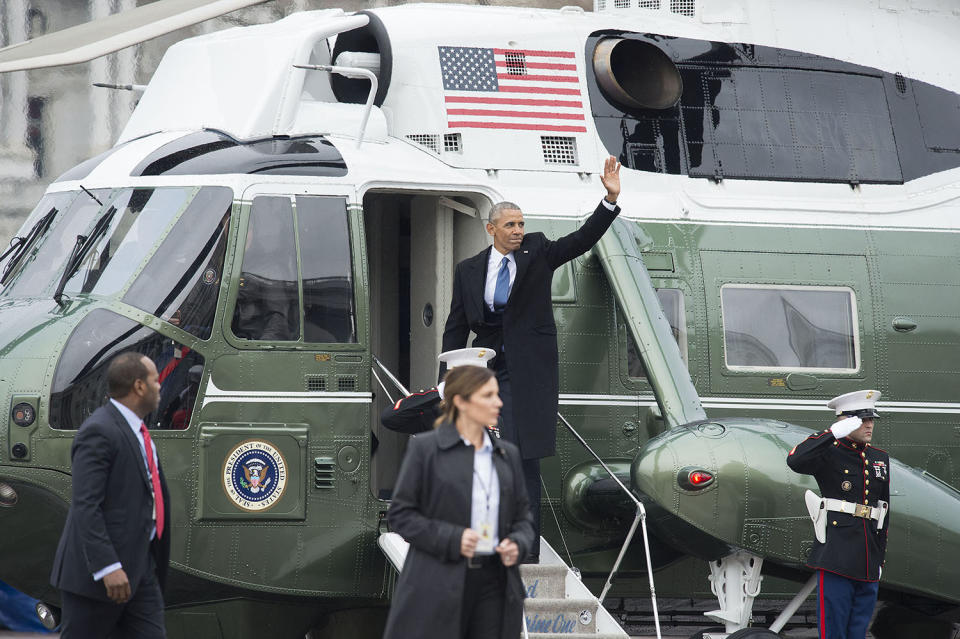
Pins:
x: 486, y: 489
x: 493, y: 270
x: 134, y: 422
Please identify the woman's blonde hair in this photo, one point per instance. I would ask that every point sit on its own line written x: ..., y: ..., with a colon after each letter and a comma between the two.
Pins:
x: 462, y: 381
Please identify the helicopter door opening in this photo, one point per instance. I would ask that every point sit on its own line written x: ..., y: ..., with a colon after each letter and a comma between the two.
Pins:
x: 414, y: 240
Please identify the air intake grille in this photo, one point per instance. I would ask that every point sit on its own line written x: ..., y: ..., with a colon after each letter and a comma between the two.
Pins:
x: 323, y: 472
x: 316, y: 383
x: 429, y: 141
x: 452, y: 143
x: 346, y: 384
x: 684, y: 7
x: 516, y: 63
x: 559, y: 149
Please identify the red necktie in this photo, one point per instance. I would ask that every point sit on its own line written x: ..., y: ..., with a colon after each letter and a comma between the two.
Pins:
x: 154, y: 478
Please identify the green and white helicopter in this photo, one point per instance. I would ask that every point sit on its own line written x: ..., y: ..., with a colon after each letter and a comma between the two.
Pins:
x: 277, y: 228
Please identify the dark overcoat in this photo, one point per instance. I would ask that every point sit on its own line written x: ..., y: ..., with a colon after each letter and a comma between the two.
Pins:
x: 111, y: 513
x: 528, y: 336
x: 431, y: 509
x: 858, y: 473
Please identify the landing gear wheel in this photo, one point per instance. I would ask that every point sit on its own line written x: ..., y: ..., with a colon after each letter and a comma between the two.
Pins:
x: 753, y: 633
x: 706, y: 631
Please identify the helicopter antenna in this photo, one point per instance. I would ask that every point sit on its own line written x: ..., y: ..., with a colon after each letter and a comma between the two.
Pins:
x: 351, y: 72
x: 139, y: 88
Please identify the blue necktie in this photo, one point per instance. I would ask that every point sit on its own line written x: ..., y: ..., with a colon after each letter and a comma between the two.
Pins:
x: 502, y: 291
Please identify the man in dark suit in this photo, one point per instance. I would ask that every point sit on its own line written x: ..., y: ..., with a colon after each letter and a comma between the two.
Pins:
x: 112, y: 558
x: 503, y: 295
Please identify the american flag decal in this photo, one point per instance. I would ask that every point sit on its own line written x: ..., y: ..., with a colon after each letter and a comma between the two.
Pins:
x: 512, y: 89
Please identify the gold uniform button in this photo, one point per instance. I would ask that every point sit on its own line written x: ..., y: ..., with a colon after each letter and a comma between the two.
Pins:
x: 866, y: 492
x: 866, y: 472
x: 836, y: 443
x: 863, y: 455
x: 846, y: 472
x: 834, y: 523
x: 866, y: 481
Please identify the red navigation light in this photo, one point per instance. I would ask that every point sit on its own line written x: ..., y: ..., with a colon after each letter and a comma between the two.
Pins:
x: 700, y: 477
x: 693, y: 478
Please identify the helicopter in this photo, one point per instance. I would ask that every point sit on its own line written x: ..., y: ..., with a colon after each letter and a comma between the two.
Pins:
x: 281, y: 216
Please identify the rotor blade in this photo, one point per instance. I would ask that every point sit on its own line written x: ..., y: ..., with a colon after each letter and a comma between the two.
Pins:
x: 111, y: 33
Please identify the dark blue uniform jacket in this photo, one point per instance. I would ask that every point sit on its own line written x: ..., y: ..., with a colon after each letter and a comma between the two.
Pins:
x: 858, y: 473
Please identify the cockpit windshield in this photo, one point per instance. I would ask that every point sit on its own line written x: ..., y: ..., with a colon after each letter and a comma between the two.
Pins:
x: 139, y: 224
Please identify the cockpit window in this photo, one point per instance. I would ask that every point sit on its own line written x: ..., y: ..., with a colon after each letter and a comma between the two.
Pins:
x: 267, y: 302
x: 273, y: 281
x: 80, y: 379
x: 181, y: 282
x: 770, y: 328
x: 40, y: 220
x: 141, y: 217
x: 39, y: 269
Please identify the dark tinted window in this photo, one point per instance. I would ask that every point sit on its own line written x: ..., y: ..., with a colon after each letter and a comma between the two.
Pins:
x: 671, y: 300
x: 325, y: 265
x: 47, y: 260
x: 209, y: 152
x: 181, y: 281
x: 268, y: 300
x: 80, y: 380
x: 789, y: 328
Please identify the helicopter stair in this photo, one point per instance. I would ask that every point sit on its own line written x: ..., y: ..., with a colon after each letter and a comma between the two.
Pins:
x: 557, y: 604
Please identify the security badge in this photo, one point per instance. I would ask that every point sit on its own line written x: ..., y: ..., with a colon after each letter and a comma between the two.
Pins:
x: 485, y: 545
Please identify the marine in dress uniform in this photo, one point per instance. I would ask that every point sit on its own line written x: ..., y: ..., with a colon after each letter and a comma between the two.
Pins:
x: 852, y: 513
x: 417, y: 412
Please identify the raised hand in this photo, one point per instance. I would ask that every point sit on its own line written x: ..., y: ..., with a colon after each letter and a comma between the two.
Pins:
x: 611, y: 178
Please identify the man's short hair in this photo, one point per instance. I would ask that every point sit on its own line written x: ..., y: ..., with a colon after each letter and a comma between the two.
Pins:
x: 125, y: 369
x: 499, y: 208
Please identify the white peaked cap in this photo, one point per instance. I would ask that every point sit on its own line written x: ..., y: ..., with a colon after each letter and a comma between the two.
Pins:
x: 855, y: 401
x: 467, y: 357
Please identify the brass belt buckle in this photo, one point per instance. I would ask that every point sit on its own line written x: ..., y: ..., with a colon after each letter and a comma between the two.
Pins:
x: 862, y: 510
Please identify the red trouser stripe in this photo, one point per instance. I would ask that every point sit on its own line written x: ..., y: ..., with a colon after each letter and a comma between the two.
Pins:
x: 823, y: 614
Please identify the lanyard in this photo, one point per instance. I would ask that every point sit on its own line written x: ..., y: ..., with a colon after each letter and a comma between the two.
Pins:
x: 486, y: 488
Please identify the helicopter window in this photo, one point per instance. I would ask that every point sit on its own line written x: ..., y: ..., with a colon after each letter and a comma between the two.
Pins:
x: 181, y: 281
x: 145, y: 215
x: 80, y: 380
x: 39, y: 269
x: 789, y: 327
x: 671, y: 299
x: 268, y: 299
x: 32, y: 232
x: 325, y: 264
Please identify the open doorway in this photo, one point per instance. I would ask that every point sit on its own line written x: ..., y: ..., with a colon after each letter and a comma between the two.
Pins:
x: 414, y: 241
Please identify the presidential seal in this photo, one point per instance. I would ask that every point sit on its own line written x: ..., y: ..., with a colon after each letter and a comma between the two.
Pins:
x: 254, y: 475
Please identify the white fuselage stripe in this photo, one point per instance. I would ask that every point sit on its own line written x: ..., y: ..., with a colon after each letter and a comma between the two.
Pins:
x: 752, y: 403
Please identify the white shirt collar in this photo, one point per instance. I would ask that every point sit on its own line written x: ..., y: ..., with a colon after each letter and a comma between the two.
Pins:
x: 128, y: 415
x: 487, y: 444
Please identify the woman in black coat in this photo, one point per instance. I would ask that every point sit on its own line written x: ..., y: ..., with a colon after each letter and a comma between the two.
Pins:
x: 463, y: 508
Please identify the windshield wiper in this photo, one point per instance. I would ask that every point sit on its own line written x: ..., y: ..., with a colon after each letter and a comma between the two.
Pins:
x: 80, y: 250
x: 22, y: 243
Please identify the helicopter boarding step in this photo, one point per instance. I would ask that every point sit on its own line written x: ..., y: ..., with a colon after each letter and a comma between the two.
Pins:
x: 557, y: 604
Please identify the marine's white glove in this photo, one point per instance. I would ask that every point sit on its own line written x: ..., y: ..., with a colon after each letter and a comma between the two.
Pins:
x: 845, y: 426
